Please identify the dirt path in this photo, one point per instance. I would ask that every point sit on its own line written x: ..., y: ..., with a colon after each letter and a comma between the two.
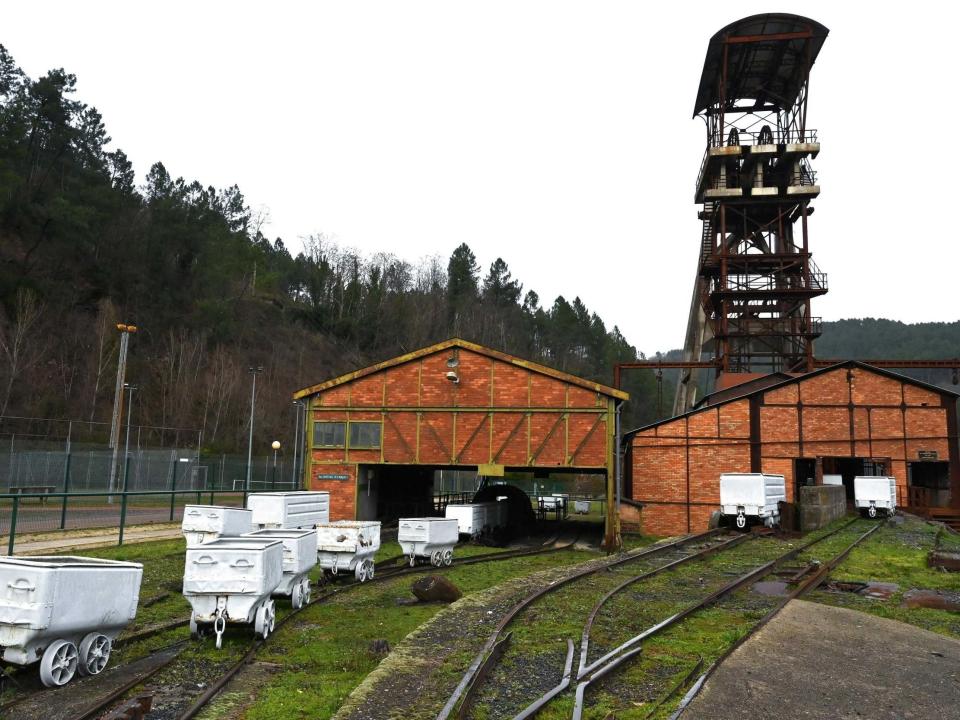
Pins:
x: 67, y: 540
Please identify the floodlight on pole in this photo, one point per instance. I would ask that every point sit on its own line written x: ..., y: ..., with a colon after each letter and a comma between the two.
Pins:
x: 126, y: 452
x: 254, y: 371
x: 126, y: 331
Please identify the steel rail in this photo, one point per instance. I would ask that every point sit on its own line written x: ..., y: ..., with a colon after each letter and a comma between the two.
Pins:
x: 466, y: 688
x: 750, y: 577
x: 231, y: 672
x: 585, y: 635
x: 807, y: 585
x: 100, y: 705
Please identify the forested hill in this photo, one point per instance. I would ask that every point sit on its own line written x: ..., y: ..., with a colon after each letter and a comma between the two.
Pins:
x: 83, y: 247
x: 872, y: 338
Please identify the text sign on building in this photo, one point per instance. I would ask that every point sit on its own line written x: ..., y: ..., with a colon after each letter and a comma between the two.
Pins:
x: 927, y: 454
x: 329, y: 476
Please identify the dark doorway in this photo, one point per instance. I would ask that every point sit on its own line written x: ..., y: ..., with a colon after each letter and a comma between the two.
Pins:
x: 850, y: 467
x: 929, y: 484
x: 804, y: 473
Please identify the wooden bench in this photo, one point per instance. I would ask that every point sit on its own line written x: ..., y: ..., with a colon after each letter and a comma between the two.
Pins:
x: 33, y: 490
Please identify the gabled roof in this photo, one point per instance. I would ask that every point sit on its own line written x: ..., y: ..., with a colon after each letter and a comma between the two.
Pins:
x: 798, y: 379
x: 465, y: 345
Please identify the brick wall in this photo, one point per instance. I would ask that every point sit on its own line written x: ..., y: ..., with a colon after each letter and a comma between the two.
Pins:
x: 839, y: 413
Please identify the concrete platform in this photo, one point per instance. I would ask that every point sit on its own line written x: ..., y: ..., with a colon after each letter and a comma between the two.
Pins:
x: 817, y: 661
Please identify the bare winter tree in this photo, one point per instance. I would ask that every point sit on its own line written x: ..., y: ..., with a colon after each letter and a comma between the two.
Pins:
x: 20, y: 350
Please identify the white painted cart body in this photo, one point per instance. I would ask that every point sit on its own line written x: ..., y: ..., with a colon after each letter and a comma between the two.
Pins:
x: 65, y: 612
x: 871, y: 494
x: 473, y: 519
x: 300, y: 509
x: 581, y: 507
x: 231, y: 580
x: 430, y: 539
x: 204, y: 523
x: 752, y: 495
x: 347, y: 546
x: 299, y: 558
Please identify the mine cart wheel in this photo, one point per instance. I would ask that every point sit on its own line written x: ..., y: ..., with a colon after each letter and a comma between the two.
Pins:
x: 413, y: 561
x: 305, y: 591
x: 59, y: 663
x: 371, y: 569
x: 437, y: 558
x: 262, y: 623
x: 194, y: 628
x: 94, y: 654
x: 448, y: 557
x: 296, y: 597
x: 872, y: 511
x: 361, y: 571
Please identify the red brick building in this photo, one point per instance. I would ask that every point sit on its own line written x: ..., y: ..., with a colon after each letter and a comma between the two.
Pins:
x: 377, y: 435
x: 849, y: 419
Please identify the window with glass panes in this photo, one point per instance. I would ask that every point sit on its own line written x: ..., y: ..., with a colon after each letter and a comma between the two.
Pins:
x: 364, y: 434
x: 329, y: 434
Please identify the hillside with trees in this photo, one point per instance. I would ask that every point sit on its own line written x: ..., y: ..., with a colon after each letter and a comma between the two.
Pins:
x: 82, y: 247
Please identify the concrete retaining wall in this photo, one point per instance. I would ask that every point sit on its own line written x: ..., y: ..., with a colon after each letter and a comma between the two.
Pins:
x: 820, y: 505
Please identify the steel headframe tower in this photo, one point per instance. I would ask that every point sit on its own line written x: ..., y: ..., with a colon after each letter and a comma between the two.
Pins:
x: 756, y: 277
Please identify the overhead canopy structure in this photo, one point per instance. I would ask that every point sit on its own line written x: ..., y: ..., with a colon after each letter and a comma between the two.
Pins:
x: 761, y: 66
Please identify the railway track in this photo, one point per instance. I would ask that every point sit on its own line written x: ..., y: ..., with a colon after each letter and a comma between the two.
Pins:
x: 102, y: 705
x: 668, y: 558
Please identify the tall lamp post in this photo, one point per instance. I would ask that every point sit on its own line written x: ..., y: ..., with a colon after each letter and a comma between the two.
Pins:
x: 254, y: 371
x: 125, y: 332
x: 126, y: 452
x: 276, y: 446
x: 297, y: 447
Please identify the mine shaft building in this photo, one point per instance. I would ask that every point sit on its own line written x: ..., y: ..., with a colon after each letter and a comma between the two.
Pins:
x: 849, y: 419
x: 377, y: 435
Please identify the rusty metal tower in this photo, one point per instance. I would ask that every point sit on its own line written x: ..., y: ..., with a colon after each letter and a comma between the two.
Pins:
x: 750, y: 310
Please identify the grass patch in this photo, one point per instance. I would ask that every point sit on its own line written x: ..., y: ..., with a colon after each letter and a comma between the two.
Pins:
x: 897, y: 554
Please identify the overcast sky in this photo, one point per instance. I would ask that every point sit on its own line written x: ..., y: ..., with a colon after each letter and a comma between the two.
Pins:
x: 557, y: 135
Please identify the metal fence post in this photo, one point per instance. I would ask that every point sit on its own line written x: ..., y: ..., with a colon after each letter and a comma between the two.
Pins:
x: 13, y: 523
x: 66, y: 491
x: 173, y: 488
x: 123, y: 499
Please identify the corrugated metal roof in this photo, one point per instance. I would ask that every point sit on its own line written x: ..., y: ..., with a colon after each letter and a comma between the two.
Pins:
x: 466, y: 345
x: 770, y: 71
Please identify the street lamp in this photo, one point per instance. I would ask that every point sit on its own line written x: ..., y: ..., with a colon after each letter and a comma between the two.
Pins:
x: 254, y: 371
x: 276, y: 446
x: 126, y: 452
x: 116, y: 422
x: 297, y: 445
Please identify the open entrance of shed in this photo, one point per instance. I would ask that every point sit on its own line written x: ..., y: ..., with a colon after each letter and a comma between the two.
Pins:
x: 842, y: 471
x: 928, y: 483
x: 537, y: 498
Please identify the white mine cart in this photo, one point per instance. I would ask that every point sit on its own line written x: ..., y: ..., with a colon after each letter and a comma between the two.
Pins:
x: 65, y: 612
x: 432, y: 539
x: 299, y: 558
x: 473, y: 519
x: 581, y: 507
x: 873, y: 494
x: 832, y: 479
x: 230, y: 581
x: 754, y: 496
x: 347, y: 546
x: 289, y: 510
x: 203, y: 523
